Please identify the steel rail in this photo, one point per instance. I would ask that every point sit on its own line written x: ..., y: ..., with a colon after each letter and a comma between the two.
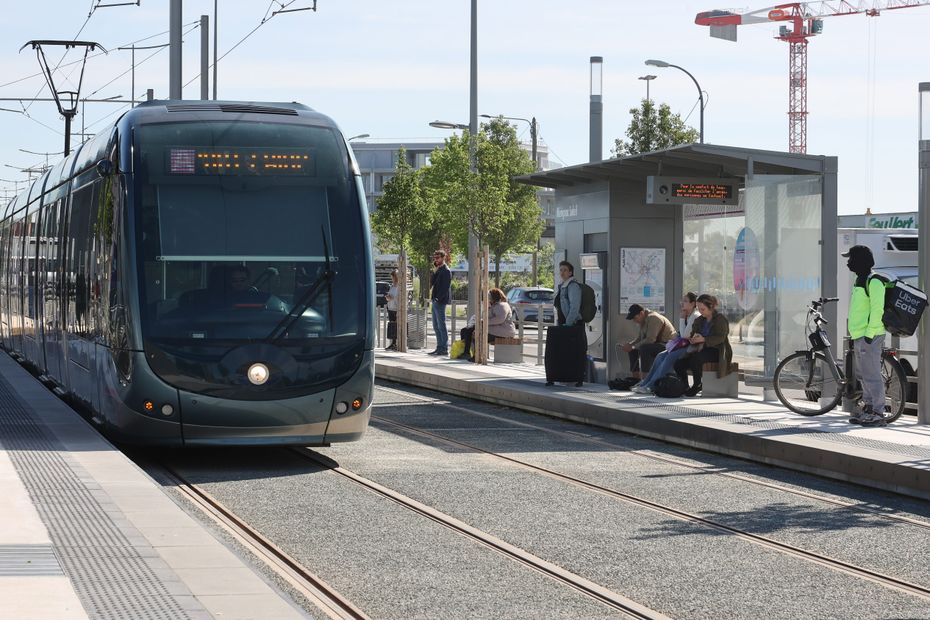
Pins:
x: 764, y: 541
x: 314, y: 589
x: 648, y: 454
x: 597, y: 592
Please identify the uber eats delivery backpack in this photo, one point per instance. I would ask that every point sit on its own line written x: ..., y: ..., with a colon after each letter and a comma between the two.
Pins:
x: 588, y: 303
x: 904, y: 305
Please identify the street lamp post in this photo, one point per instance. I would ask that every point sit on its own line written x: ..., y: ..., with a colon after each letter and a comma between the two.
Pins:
x: 358, y: 137
x: 923, y: 251
x: 647, y: 79
x: 662, y: 65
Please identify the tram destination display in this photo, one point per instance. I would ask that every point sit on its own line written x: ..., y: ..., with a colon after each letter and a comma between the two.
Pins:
x: 239, y: 161
x: 691, y: 191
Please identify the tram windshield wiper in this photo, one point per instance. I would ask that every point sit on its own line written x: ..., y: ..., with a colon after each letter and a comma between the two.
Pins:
x: 324, y: 279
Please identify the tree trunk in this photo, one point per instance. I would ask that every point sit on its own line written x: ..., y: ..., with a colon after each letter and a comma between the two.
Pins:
x: 497, y: 270
x: 401, y: 340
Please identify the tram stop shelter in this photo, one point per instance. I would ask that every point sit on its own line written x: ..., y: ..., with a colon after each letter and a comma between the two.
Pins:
x: 755, y: 228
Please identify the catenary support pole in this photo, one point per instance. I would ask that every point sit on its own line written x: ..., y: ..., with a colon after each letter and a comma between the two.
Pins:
x: 216, y: 58
x: 174, y: 61
x: 204, y: 57
x: 923, y: 253
x: 474, y: 269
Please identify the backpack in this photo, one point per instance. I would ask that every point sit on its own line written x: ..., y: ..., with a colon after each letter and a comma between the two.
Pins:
x: 904, y: 305
x: 588, y: 303
x: 669, y: 386
x: 623, y: 385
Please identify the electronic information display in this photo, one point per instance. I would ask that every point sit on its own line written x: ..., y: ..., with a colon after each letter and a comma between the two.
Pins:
x: 239, y: 161
x: 692, y: 191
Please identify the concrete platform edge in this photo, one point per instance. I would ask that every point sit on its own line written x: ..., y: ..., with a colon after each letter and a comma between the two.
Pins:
x: 801, y: 453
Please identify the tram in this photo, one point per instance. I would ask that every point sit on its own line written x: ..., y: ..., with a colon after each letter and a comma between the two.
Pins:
x: 200, y: 273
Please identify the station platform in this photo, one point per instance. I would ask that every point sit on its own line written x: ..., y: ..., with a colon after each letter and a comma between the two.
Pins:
x: 893, y: 458
x: 85, y: 533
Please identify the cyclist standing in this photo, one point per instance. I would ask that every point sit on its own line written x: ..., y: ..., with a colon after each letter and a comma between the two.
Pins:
x: 867, y: 333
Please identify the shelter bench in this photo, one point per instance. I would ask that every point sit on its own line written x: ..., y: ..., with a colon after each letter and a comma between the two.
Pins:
x: 728, y: 386
x: 508, y: 350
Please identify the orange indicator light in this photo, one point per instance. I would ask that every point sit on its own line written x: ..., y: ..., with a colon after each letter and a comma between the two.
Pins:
x: 357, y: 404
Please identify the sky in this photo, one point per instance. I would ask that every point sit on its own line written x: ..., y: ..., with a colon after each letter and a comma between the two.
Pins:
x: 388, y: 68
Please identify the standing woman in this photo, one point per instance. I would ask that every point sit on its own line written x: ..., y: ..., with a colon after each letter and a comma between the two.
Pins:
x: 709, y: 344
x: 391, y: 297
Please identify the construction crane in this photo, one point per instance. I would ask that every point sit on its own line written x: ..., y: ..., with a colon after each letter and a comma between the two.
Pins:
x: 803, y: 21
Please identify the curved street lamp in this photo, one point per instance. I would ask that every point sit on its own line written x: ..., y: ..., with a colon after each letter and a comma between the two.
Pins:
x: 358, y: 137
x: 662, y: 65
x: 447, y: 125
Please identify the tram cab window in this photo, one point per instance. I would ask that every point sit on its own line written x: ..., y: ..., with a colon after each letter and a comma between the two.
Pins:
x: 236, y: 238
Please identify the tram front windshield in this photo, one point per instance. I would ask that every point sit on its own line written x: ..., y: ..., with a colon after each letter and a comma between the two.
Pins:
x: 249, y: 232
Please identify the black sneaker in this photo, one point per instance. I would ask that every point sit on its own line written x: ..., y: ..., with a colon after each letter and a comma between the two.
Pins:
x: 693, y: 391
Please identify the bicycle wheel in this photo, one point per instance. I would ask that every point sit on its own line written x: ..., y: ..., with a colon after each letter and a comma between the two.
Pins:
x: 803, y: 374
x: 896, y: 387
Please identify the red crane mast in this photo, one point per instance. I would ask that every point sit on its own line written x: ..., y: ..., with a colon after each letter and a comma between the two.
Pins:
x: 803, y: 20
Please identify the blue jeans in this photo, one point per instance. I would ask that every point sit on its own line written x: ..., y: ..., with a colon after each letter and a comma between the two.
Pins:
x: 664, y: 364
x: 439, y: 327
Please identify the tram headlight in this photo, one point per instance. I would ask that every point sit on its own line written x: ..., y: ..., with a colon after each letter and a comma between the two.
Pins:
x: 167, y: 410
x: 258, y: 373
x: 342, y: 407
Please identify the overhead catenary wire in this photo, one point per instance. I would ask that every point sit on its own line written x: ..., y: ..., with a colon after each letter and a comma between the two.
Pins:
x: 269, y: 15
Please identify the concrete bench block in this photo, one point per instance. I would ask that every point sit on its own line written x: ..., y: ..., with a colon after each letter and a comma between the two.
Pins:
x: 727, y: 386
x: 508, y: 351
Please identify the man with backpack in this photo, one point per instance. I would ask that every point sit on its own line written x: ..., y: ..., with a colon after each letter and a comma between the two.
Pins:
x: 867, y: 332
x: 566, y: 344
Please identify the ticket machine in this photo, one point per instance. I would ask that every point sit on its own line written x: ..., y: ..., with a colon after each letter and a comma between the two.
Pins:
x: 594, y: 267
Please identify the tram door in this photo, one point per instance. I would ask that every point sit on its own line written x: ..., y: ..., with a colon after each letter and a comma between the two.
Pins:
x: 594, y: 267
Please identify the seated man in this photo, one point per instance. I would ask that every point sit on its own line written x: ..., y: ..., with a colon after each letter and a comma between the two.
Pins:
x: 654, y: 333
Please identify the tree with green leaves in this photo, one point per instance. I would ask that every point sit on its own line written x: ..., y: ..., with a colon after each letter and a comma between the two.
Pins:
x: 503, y: 214
x: 401, y: 211
x: 519, y: 231
x: 653, y: 129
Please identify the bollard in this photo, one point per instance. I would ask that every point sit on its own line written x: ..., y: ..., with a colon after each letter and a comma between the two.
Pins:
x: 378, y: 329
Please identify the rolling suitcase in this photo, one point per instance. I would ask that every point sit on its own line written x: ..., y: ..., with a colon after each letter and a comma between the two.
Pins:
x: 566, y: 354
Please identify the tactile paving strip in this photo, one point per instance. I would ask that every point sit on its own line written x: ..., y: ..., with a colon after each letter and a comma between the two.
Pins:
x: 109, y: 572
x: 670, y: 410
x: 28, y: 561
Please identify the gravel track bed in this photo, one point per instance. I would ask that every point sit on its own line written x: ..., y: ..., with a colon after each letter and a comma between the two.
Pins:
x: 388, y: 561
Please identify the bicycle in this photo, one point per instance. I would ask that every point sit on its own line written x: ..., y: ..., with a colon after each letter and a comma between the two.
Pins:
x: 812, y: 382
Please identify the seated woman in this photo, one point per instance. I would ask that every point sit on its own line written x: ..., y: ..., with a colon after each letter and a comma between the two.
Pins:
x: 500, y: 321
x: 709, y: 343
x: 665, y: 362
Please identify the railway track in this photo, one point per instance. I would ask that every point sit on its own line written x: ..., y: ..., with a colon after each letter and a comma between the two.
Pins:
x: 308, y: 585
x: 764, y: 541
x: 627, y: 607
x: 654, y: 456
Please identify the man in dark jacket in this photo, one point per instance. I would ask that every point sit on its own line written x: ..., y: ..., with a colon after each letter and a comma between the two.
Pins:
x: 440, y: 282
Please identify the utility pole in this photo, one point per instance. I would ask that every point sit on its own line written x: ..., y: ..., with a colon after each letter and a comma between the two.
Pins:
x: 204, y: 57
x: 596, y: 113
x: 174, y: 63
x: 923, y: 251
x: 133, y: 48
x: 216, y: 58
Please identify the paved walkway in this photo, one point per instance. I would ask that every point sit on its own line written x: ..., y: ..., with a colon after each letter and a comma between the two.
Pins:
x: 895, y: 458
x: 85, y: 533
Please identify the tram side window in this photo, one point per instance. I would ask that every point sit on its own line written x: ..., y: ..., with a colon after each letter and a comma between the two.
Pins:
x: 80, y: 261
x: 31, y: 269
x: 48, y: 254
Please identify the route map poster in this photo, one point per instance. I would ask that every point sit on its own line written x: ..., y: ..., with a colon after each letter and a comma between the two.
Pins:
x: 642, y: 278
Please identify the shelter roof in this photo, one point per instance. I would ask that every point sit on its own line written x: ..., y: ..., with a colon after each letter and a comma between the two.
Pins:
x: 700, y: 160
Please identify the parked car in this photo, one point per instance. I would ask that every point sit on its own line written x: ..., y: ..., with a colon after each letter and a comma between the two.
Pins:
x: 525, y: 302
